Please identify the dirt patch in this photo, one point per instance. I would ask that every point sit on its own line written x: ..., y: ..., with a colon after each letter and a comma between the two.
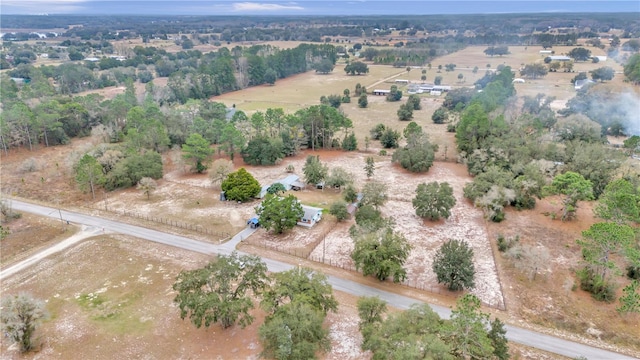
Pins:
x: 28, y: 234
x: 554, y: 300
x: 120, y: 305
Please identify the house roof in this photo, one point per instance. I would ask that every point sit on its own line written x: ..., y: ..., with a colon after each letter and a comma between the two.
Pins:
x: 263, y: 191
x: 580, y: 83
x: 558, y: 57
x: 289, y: 180
x: 310, y: 211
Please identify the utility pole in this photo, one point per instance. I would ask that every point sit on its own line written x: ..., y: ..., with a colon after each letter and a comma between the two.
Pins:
x: 61, y: 220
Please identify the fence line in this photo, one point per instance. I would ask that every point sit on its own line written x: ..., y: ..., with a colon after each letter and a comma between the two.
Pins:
x: 221, y: 235
x: 410, y: 283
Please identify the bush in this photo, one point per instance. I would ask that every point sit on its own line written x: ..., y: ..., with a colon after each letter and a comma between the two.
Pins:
x: 29, y: 165
x: 505, y: 244
x: 600, y: 289
x: 339, y: 210
x: 633, y: 272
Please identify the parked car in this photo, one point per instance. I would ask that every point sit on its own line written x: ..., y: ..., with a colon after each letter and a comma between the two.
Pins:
x: 253, y: 222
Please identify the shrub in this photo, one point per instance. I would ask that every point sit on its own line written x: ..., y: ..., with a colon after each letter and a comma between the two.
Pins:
x: 633, y: 272
x: 505, y: 244
x: 600, y: 288
x: 339, y: 210
x: 29, y: 165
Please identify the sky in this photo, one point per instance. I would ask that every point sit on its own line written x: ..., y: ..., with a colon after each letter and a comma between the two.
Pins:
x: 308, y: 7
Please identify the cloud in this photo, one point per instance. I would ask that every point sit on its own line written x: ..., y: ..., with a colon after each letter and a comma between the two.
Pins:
x: 41, y: 6
x: 251, y: 6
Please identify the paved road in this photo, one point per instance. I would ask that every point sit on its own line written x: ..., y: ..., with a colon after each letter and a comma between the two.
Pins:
x: 518, y: 335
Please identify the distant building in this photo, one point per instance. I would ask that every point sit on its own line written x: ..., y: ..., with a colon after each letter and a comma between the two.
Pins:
x: 546, y: 52
x: 402, y: 81
x: 381, y: 92
x: 518, y: 81
x: 441, y: 88
x: 559, y: 58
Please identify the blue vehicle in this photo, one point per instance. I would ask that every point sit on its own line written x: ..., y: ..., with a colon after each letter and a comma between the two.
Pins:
x: 253, y: 222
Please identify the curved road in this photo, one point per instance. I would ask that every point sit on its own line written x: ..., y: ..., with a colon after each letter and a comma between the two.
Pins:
x: 516, y: 334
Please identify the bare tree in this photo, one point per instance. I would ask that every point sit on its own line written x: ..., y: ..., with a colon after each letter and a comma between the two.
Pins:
x: 532, y: 260
x: 20, y: 317
x: 147, y: 185
x: 219, y: 170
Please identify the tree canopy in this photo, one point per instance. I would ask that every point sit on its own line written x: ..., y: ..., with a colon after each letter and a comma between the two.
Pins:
x: 574, y: 187
x: 453, y: 265
x: 240, y: 185
x: 356, y: 68
x: 381, y: 253
x: 197, y: 149
x: 314, y: 170
x: 222, y: 291
x: 279, y: 213
x: 434, y: 200
x: 20, y: 317
x: 417, y: 155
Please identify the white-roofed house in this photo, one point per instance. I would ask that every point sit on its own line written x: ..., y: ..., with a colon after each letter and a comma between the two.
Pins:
x: 311, y: 216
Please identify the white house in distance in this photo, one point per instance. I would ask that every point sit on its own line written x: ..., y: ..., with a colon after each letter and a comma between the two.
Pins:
x: 559, y: 58
x: 312, y: 215
x: 381, y: 92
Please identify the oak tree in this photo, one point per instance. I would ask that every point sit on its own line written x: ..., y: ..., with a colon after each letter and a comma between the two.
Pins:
x: 279, y: 213
x: 381, y: 253
x: 434, y: 200
x: 240, y: 185
x: 222, y: 291
x: 453, y: 265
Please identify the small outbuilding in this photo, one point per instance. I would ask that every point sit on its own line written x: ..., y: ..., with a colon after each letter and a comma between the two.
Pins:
x: 518, y: 81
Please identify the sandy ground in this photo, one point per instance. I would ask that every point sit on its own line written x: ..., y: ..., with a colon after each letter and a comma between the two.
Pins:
x: 84, y: 233
x: 466, y: 222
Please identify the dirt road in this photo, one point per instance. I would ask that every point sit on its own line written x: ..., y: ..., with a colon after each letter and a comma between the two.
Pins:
x: 85, y: 233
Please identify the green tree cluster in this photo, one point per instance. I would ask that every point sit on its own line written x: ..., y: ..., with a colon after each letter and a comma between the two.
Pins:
x: 297, y: 303
x: 453, y: 265
x: 419, y: 333
x: 221, y: 292
x: 418, y: 155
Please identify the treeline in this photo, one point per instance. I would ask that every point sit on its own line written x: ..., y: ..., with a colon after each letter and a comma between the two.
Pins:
x: 35, y: 116
x: 286, y: 27
x: 191, y: 73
